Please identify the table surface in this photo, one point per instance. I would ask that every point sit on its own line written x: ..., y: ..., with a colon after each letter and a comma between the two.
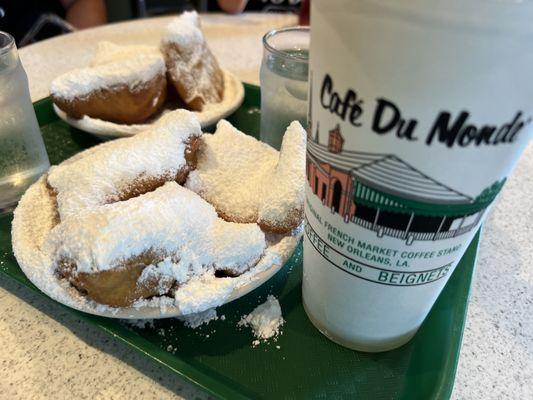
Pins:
x: 46, y: 352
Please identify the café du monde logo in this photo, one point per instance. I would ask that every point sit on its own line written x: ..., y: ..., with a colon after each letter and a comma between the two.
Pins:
x: 384, y: 194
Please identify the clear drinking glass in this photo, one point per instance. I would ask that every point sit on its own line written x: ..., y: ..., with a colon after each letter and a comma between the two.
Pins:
x: 23, y: 157
x: 284, y: 75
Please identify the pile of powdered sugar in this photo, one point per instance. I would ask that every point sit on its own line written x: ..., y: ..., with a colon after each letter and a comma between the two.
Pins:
x: 265, y: 320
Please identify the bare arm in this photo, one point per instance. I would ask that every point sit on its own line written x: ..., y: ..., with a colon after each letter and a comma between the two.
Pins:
x: 232, y: 6
x: 85, y: 13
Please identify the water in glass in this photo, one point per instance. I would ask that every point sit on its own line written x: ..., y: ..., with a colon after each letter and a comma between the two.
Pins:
x: 284, y: 89
x: 23, y: 157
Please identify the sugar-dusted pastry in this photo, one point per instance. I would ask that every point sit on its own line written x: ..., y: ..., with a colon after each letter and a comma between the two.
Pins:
x: 191, y: 67
x: 125, y: 91
x: 150, y: 244
x: 128, y: 167
x: 107, y: 52
x: 282, y: 203
x: 249, y: 181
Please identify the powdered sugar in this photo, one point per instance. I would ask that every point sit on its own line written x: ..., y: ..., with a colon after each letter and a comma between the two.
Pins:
x: 203, y: 318
x: 265, y: 320
x: 131, y: 72
x: 35, y: 216
x: 247, y: 180
x: 31, y: 225
x: 172, y: 221
x: 91, y: 180
x: 185, y: 30
x: 211, y: 113
x: 231, y: 171
x: 204, y: 292
x: 207, y: 291
x: 284, y: 193
x: 191, y: 67
x: 200, y: 289
x: 164, y: 273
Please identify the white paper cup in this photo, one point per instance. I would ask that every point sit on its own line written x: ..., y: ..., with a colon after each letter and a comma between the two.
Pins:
x: 419, y: 110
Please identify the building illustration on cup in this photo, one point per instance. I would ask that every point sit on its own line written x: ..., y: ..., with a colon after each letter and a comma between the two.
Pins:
x: 384, y: 194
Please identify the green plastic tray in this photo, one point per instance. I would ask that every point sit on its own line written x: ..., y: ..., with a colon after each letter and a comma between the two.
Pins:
x: 219, y: 357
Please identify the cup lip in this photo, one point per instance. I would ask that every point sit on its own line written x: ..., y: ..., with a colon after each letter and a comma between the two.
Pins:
x: 10, y: 43
x: 281, y: 53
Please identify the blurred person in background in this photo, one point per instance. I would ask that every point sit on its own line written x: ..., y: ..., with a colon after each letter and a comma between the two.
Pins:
x: 33, y: 20
x: 296, y: 6
x: 54, y: 17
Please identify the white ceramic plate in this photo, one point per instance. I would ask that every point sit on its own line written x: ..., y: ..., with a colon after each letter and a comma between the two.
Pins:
x: 34, y: 218
x: 212, y: 113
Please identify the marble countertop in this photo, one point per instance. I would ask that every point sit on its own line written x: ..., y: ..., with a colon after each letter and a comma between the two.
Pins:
x: 48, y: 353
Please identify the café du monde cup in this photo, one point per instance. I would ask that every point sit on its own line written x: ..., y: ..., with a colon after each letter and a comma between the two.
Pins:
x: 419, y: 110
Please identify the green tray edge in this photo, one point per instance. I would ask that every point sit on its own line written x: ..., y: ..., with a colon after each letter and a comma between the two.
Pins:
x: 444, y: 390
x: 231, y: 390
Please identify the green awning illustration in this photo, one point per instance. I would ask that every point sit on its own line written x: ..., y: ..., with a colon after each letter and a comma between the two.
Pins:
x: 386, y: 181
